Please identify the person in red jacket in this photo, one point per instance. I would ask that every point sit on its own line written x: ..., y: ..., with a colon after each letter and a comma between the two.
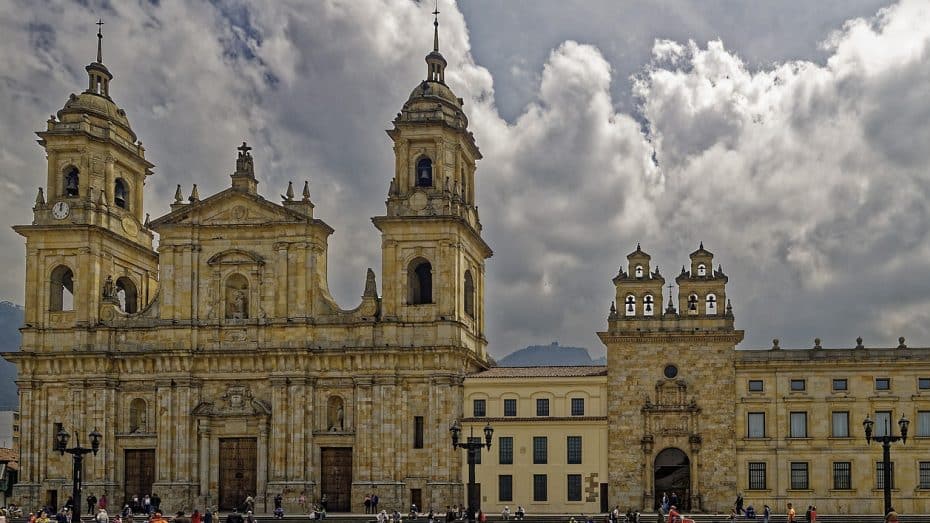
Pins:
x: 673, y: 515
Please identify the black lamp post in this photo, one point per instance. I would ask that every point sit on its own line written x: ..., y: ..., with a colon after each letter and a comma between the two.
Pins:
x: 77, y: 452
x: 886, y: 441
x: 473, y: 446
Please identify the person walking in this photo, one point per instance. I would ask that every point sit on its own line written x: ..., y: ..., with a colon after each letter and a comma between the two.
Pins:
x: 766, y: 513
x: 367, y: 503
x: 102, y: 516
x: 891, y: 516
x: 91, y: 503
x: 791, y: 514
x: 739, y: 503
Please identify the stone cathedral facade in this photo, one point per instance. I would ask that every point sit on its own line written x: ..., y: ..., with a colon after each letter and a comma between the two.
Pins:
x: 219, y: 366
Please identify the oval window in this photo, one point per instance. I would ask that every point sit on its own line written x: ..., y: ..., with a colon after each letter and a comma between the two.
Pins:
x: 671, y: 371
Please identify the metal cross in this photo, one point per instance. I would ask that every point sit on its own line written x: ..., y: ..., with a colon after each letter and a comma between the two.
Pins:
x: 244, y: 148
x: 436, y: 11
x: 99, y: 26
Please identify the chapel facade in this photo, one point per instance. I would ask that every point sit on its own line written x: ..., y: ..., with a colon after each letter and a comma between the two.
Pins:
x: 219, y: 366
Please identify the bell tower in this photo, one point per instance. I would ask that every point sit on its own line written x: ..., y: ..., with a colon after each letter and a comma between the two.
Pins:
x: 432, y: 251
x: 89, y: 244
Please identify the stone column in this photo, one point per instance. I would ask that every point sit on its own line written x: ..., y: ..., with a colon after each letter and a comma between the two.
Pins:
x: 279, y: 428
x: 363, y: 425
x: 695, y: 441
x: 262, y: 465
x: 296, y: 436
x: 203, y: 431
x: 163, y: 423
x: 28, y: 429
x: 281, y: 277
x: 300, y: 263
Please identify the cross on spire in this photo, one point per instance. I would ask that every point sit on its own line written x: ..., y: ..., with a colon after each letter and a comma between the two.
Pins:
x: 99, y: 40
x: 436, y: 27
x: 243, y: 149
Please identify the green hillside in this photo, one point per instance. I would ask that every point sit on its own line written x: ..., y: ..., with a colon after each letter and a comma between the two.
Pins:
x: 11, y: 319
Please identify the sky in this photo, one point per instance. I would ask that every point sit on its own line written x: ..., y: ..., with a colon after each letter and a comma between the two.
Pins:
x: 791, y: 137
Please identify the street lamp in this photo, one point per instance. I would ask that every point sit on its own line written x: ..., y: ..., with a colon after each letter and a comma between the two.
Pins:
x: 886, y: 441
x: 473, y: 446
x: 77, y: 452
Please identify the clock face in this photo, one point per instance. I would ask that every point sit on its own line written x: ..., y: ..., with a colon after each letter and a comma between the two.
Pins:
x: 61, y: 210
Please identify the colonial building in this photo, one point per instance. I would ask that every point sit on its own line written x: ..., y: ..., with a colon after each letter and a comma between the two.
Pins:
x: 219, y: 366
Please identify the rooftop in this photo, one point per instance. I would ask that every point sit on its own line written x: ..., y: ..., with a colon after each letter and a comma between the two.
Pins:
x: 574, y: 371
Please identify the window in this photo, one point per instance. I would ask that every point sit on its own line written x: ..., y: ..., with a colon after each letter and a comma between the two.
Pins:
x: 924, y: 467
x: 670, y: 371
x: 542, y: 407
x: 840, y: 424
x: 799, y: 480
x: 120, y: 194
x: 61, y: 293
x: 237, y: 297
x: 505, y: 450
x: 755, y: 386
x: 710, y: 304
x: 574, y: 450
x: 702, y: 270
x: 648, y: 305
x: 574, y: 487
x: 505, y: 487
x: 630, y: 305
x: 424, y: 173
x: 842, y: 475
x: 418, y: 432
x: 420, y: 282
x: 72, y: 177
x: 882, y: 423
x: 510, y: 407
x: 469, y: 294
x: 923, y: 423
x: 479, y: 408
x: 126, y: 295
x: 757, y: 476
x: 798, y: 425
x: 882, y: 383
x: 798, y: 385
x: 639, y: 271
x: 577, y: 406
x: 923, y: 383
x: 756, y: 425
x: 880, y: 475
x: 692, y: 304
x: 540, y: 450
x: 539, y: 487
x: 840, y: 384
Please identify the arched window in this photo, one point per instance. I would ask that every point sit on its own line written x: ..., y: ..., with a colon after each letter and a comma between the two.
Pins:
x: 72, y: 179
x: 137, y: 416
x: 120, y: 194
x: 648, y: 305
x: 702, y: 270
x: 237, y: 297
x: 469, y: 294
x: 710, y: 306
x: 424, y: 173
x: 61, y: 293
x: 127, y: 295
x: 420, y: 282
x: 693, y: 304
x: 639, y: 271
x: 630, y: 305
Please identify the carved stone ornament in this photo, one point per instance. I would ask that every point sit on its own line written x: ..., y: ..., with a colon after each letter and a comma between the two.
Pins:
x: 237, y: 401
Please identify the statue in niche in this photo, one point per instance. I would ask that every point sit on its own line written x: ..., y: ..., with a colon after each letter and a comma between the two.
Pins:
x: 237, y: 297
x: 336, y: 415
x: 109, y: 289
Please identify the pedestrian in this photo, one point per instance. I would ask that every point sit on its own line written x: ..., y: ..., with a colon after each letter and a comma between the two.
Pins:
x: 234, y: 517
x: 374, y: 503
x: 147, y: 504
x: 102, y: 516
x: 207, y: 516
x: 739, y: 503
x: 891, y: 516
x: 91, y: 503
x: 196, y: 517
x: 324, y: 502
x: 766, y: 513
x: 103, y: 502
x: 791, y: 514
x: 505, y: 514
x: 367, y: 503
x: 673, y: 499
x: 250, y: 504
x: 302, y: 500
x: 249, y: 517
x: 179, y: 517
x: 812, y: 517
x: 673, y: 515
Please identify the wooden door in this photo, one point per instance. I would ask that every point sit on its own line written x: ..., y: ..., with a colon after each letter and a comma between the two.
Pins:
x: 336, y: 481
x: 138, y: 473
x: 238, y: 471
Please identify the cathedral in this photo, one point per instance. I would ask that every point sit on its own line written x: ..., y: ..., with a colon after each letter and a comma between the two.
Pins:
x: 219, y: 366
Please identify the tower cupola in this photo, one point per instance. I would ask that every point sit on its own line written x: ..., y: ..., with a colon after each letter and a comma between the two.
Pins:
x: 436, y: 63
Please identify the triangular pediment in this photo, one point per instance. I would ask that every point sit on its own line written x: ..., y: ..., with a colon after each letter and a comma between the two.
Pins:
x: 230, y: 207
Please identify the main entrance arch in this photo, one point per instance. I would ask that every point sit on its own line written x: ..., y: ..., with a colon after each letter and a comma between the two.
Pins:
x: 673, y: 475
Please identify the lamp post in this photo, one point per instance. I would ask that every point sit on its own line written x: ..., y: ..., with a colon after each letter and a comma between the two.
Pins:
x: 77, y: 452
x: 473, y: 445
x: 886, y: 442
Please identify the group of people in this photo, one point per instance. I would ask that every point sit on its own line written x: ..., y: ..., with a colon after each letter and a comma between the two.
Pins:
x: 519, y: 514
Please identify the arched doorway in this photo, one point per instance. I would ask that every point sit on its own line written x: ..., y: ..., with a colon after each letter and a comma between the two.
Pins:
x: 673, y: 475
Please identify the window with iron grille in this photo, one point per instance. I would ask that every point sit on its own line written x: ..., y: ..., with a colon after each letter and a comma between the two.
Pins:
x: 574, y: 487
x: 577, y: 406
x: 757, y: 476
x: 418, y: 432
x: 756, y: 424
x: 842, y: 475
x: 925, y: 474
x: 540, y: 450
x: 840, y: 424
x: 882, y: 423
x: 799, y: 478
x: 510, y: 407
x: 880, y: 475
x: 505, y: 487
x: 574, y: 450
x: 479, y: 408
x: 542, y: 407
x: 798, y: 425
x: 540, y: 487
x: 505, y: 450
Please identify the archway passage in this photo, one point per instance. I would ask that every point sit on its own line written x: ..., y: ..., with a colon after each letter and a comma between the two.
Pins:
x: 673, y: 476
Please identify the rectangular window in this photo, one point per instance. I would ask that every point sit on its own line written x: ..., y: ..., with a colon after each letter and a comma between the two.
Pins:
x: 540, y: 450
x: 574, y: 450
x: 757, y: 476
x: 505, y: 487
x: 756, y: 424
x: 798, y: 425
x: 798, y: 385
x: 574, y: 487
x: 577, y: 406
x: 505, y: 450
x: 840, y: 384
x: 55, y: 430
x: 882, y: 383
x: 880, y: 475
x: 840, y: 424
x: 418, y: 432
x: 510, y: 407
x: 479, y: 408
x: 882, y: 423
x: 923, y: 383
x: 755, y: 385
x: 924, y: 474
x: 842, y: 475
x: 799, y: 480
x: 540, y: 487
x: 923, y: 423
x: 542, y: 407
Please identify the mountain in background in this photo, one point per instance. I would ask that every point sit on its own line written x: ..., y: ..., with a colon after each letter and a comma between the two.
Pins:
x: 11, y: 319
x: 549, y: 356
